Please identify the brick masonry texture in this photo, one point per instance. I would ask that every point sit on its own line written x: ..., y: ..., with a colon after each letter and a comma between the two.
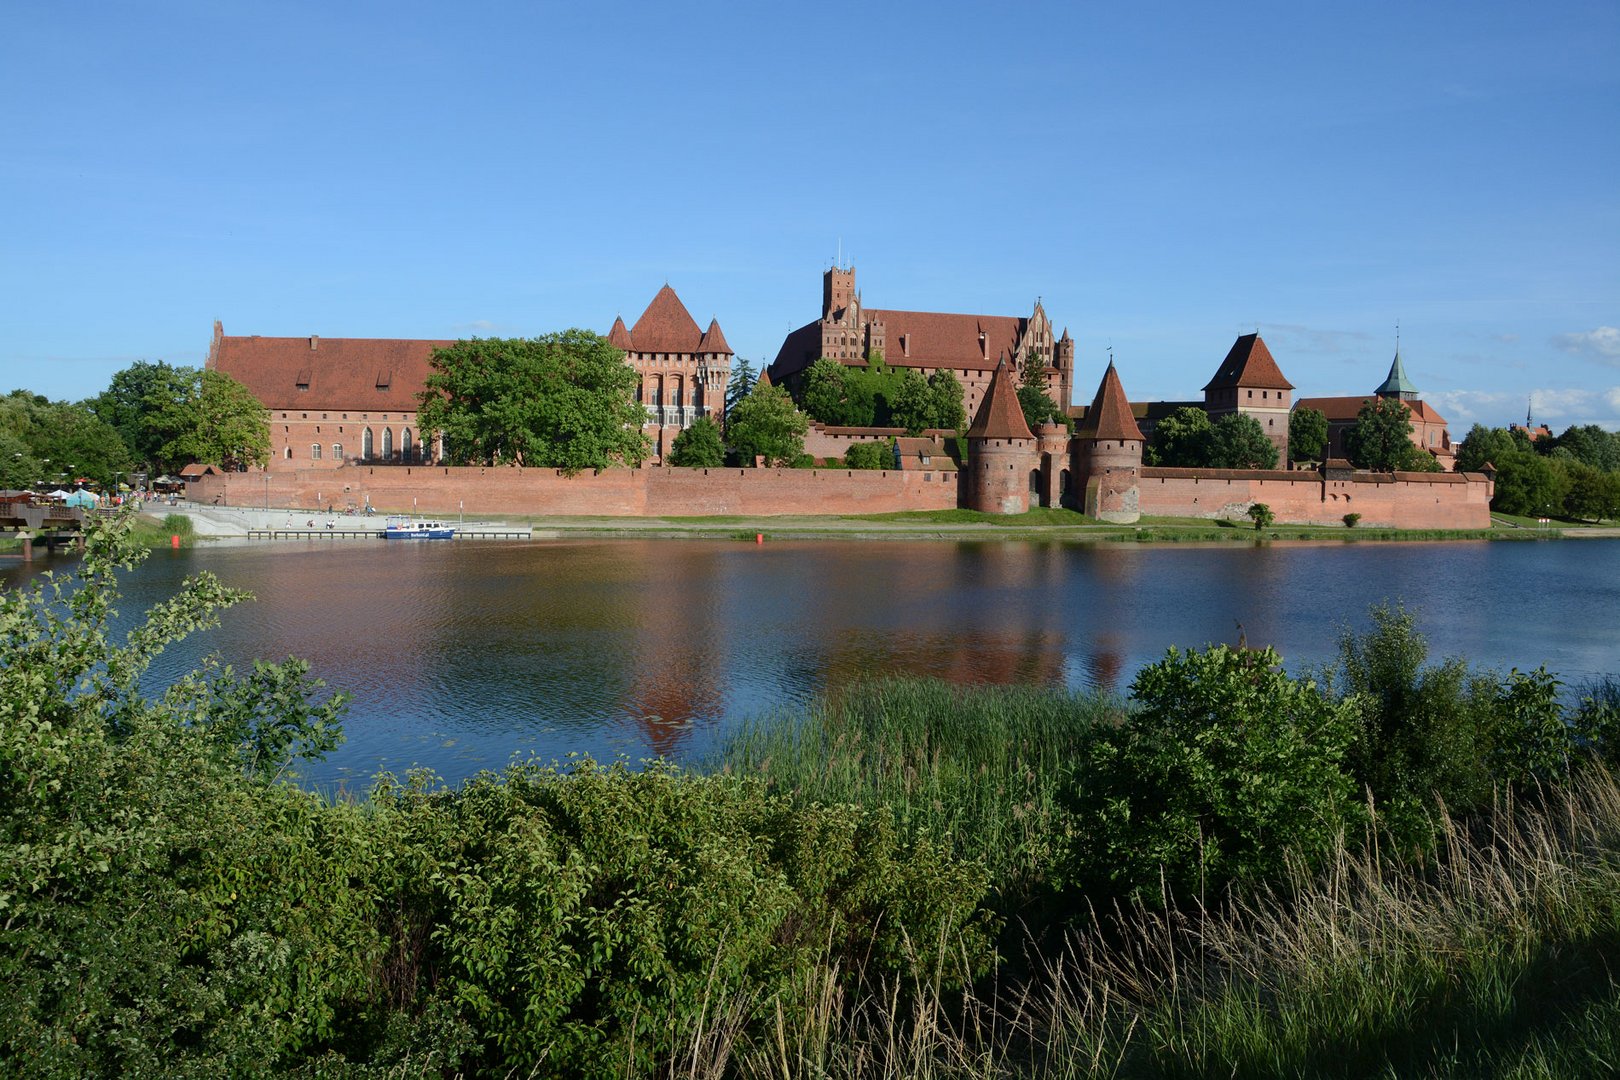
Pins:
x: 651, y: 492
x: 1384, y: 500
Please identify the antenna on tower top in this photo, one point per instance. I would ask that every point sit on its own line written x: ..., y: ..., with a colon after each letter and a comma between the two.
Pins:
x: 840, y: 253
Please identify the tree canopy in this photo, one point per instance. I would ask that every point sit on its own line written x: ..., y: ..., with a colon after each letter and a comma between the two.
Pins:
x: 698, y: 446
x: 561, y: 401
x: 1238, y: 442
x: 214, y: 420
x: 46, y: 443
x: 743, y: 378
x: 135, y: 397
x: 766, y: 425
x: 1037, y: 405
x: 1381, y: 439
x: 1181, y: 440
x: 1307, y: 435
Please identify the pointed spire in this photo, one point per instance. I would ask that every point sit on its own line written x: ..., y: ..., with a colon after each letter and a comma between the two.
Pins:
x: 713, y: 340
x: 1249, y: 363
x: 619, y: 337
x: 999, y: 415
x: 1110, y: 416
x: 1397, y: 385
x: 666, y: 326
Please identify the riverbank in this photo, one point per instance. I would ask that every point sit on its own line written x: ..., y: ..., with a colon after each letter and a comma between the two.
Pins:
x: 955, y: 525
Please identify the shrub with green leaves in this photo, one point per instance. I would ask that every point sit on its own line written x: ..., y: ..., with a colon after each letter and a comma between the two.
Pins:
x: 1225, y: 769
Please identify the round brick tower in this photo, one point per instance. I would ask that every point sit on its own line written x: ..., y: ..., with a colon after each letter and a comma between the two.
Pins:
x: 1052, y: 446
x: 1001, y: 451
x: 1108, y: 455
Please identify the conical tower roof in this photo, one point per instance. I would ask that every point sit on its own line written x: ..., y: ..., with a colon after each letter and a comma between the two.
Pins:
x: 619, y: 337
x: 713, y: 340
x: 1110, y: 415
x: 666, y: 326
x: 1249, y: 363
x: 1397, y: 385
x: 999, y: 415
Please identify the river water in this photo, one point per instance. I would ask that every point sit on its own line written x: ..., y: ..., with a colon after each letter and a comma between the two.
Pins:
x: 461, y: 656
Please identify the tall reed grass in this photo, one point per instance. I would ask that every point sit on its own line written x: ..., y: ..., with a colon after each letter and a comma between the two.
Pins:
x: 977, y: 767
x: 1494, y: 958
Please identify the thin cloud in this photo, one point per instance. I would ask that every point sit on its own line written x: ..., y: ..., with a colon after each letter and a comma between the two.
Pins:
x: 477, y: 326
x: 1461, y: 407
x: 1315, y: 339
x: 1602, y: 344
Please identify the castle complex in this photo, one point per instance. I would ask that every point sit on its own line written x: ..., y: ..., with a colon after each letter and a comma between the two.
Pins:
x: 337, y: 401
x: 969, y: 346
x: 348, y: 407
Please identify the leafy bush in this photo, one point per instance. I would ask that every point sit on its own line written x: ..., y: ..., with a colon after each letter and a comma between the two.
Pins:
x: 1262, y: 516
x: 178, y: 524
x: 1352, y: 520
x: 1225, y: 768
x: 869, y: 455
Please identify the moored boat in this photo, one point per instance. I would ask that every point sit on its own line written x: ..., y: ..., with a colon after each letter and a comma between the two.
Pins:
x: 410, y: 529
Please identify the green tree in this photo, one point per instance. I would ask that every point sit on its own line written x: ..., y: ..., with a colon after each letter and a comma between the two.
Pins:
x: 743, y: 378
x: 1262, y: 516
x: 824, y: 394
x: 699, y: 446
x: 1593, y: 446
x: 1586, y: 498
x: 51, y: 442
x: 1483, y: 445
x: 135, y: 396
x: 561, y: 401
x: 945, y: 394
x: 913, y: 405
x: 766, y: 425
x: 869, y: 455
x: 1381, y: 437
x: 1238, y: 442
x: 1530, y: 485
x: 216, y: 421
x: 1036, y: 404
x: 1181, y: 440
x: 1307, y: 435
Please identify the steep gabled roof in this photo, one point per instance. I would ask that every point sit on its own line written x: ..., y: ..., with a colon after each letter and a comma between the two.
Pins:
x: 999, y: 415
x: 713, y: 340
x: 619, y: 337
x: 306, y: 373
x: 666, y: 326
x: 1249, y: 363
x: 1110, y: 415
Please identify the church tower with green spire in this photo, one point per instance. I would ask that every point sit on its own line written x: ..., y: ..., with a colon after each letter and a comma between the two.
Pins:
x: 1397, y: 385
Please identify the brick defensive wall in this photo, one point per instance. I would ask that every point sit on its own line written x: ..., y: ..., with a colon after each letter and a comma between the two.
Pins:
x: 1384, y: 500
x: 436, y: 490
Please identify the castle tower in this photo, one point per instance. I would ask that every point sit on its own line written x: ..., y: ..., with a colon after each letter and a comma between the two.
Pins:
x: 1052, y: 448
x: 837, y: 292
x: 1397, y: 385
x: 1107, y: 451
x: 1249, y: 382
x: 1001, y: 450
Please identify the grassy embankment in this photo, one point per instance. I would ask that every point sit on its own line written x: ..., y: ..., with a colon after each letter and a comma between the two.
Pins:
x: 1492, y: 955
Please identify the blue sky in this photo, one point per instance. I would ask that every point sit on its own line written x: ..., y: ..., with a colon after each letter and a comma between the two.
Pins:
x: 1164, y: 176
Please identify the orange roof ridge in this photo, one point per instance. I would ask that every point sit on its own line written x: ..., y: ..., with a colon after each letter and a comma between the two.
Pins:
x: 1000, y: 416
x: 713, y: 340
x: 1110, y: 415
x: 1249, y: 363
x: 619, y: 337
x: 666, y: 326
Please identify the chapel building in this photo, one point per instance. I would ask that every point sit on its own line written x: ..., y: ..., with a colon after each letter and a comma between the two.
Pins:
x: 969, y: 346
x: 1429, y: 430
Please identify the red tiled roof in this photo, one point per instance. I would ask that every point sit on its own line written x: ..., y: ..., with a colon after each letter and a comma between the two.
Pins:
x: 1000, y: 416
x: 307, y: 373
x: 1110, y: 415
x: 1249, y: 363
x: 619, y: 337
x: 947, y: 339
x: 1335, y: 408
x: 666, y: 326
x: 1346, y: 409
x: 713, y: 340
